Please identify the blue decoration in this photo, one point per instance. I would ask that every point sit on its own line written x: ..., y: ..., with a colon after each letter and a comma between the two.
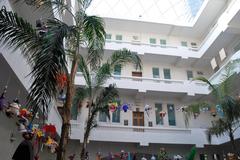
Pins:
x: 220, y: 110
x: 125, y: 107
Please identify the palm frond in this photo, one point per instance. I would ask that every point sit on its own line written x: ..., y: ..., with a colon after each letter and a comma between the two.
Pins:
x: 121, y: 57
x: 218, y: 128
x: 102, y: 74
x: 84, y: 3
x: 46, y: 55
x: 18, y: 33
x: 48, y: 62
x: 85, y: 71
x: 57, y: 6
x: 106, y: 95
x: 192, y: 109
x: 94, y: 33
x: 230, y: 106
x: 80, y: 95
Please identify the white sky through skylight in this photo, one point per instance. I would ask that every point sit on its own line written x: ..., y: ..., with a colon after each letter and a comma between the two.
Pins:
x: 160, y: 11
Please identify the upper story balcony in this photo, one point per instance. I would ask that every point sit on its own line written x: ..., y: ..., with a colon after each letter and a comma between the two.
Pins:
x: 144, y: 48
x: 144, y: 84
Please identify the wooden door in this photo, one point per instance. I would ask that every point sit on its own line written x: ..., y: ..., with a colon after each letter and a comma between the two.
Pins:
x: 137, y: 74
x: 138, y: 118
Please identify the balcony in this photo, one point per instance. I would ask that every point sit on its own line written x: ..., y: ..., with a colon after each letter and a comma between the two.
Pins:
x: 144, y: 84
x: 143, y: 48
x: 142, y: 135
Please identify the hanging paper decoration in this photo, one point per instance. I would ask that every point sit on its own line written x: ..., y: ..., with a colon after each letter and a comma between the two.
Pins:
x: 220, y: 110
x: 147, y: 108
x: 125, y: 107
x: 62, y: 96
x: 49, y: 130
x: 182, y: 109
x: 61, y: 80
x: 113, y: 106
x: 213, y: 111
x: 13, y: 109
x: 162, y: 114
x: 195, y: 115
x: 52, y: 144
x: 2, y: 99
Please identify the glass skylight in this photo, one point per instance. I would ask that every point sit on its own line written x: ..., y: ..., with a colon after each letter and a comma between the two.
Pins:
x: 160, y: 11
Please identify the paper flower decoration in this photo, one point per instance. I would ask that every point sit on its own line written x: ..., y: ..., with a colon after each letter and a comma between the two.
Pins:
x: 39, y: 134
x: 113, y: 106
x: 213, y: 111
x: 13, y: 109
x: 49, y: 130
x: 162, y: 114
x: 61, y: 80
x: 2, y: 102
x: 125, y: 107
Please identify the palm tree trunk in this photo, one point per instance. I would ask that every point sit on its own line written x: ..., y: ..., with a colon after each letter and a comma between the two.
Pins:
x: 86, y: 135
x: 66, y: 117
x: 231, y: 136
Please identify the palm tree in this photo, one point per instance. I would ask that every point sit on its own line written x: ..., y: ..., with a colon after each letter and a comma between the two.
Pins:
x: 97, y: 96
x: 44, y: 49
x: 225, y: 102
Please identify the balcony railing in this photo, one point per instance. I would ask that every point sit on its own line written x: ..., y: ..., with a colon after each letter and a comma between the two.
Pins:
x: 139, y: 43
x: 144, y: 84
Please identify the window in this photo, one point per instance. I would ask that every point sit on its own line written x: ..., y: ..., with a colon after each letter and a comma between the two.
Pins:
x: 155, y: 72
x: 171, y: 115
x: 125, y: 122
x: 102, y: 117
x: 108, y: 36
x: 158, y: 109
x: 237, y: 47
x: 118, y: 37
x: 117, y: 70
x: 184, y: 44
x: 200, y: 73
x: 116, y: 116
x: 189, y: 75
x: 203, y: 156
x: 222, y: 54
x: 167, y: 74
x: 194, y: 45
x: 163, y: 42
x: 152, y: 41
x: 213, y: 63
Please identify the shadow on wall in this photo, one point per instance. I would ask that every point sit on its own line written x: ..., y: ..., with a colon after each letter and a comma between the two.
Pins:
x: 7, y: 148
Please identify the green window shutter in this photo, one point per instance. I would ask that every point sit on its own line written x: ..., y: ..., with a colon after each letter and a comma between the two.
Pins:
x: 184, y: 44
x: 118, y: 37
x: 152, y: 41
x: 158, y: 109
x: 155, y: 72
x: 116, y: 115
x: 189, y: 75
x: 167, y: 73
x: 108, y: 36
x: 171, y: 115
x: 102, y: 117
x: 117, y: 69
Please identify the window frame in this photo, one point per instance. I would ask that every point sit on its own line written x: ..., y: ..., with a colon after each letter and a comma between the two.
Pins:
x: 164, y: 73
x: 117, y: 36
x: 155, y: 76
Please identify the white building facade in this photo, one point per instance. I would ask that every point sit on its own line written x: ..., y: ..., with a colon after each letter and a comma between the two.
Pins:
x: 172, y: 55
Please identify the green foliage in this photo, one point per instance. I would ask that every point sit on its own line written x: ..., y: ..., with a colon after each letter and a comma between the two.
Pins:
x: 192, y: 154
x: 225, y: 98
x: 162, y: 155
